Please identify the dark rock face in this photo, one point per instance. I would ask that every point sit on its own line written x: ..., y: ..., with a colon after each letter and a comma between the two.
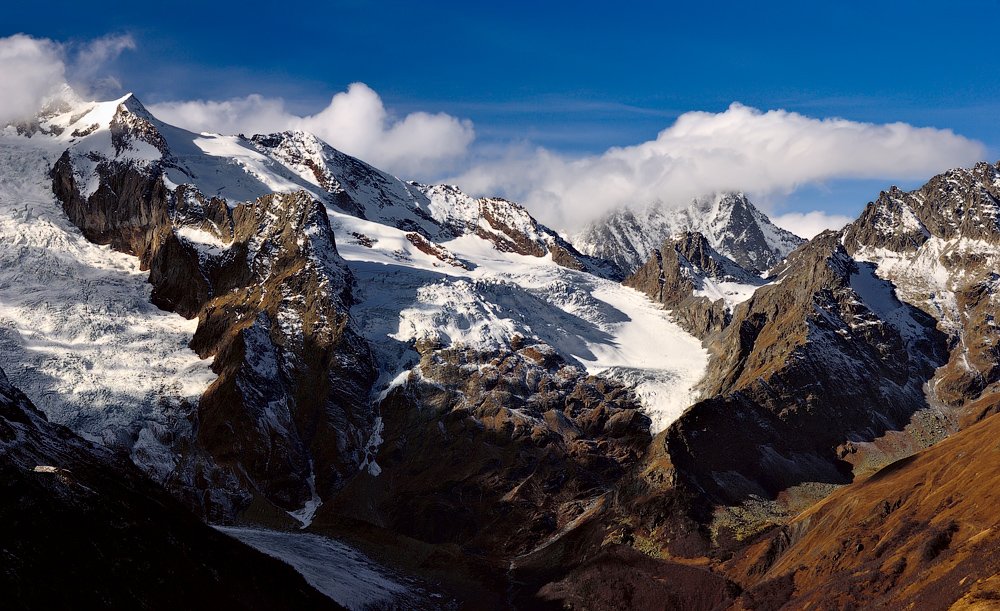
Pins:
x: 272, y: 297
x: 789, y: 395
x: 679, y: 268
x: 620, y: 577
x: 80, y: 528
x: 495, y: 452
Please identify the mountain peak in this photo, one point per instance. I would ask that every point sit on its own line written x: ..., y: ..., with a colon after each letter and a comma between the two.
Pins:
x: 728, y: 220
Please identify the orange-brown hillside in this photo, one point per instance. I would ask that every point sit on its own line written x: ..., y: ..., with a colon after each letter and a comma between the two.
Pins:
x: 923, y: 533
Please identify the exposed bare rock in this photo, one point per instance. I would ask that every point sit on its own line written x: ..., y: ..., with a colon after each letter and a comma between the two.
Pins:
x: 940, y: 245
x: 495, y: 452
x: 434, y: 250
x: 678, y: 274
x: 272, y: 297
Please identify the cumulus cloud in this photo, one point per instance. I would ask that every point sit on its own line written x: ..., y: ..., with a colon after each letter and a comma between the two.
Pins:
x: 763, y: 153
x: 356, y: 122
x: 30, y: 70
x: 809, y: 224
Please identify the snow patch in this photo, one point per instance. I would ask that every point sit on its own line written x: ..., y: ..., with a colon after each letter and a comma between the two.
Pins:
x: 78, y: 333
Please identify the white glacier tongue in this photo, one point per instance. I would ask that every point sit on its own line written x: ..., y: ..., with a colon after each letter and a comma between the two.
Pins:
x: 407, y: 295
x: 78, y: 333
x: 339, y: 571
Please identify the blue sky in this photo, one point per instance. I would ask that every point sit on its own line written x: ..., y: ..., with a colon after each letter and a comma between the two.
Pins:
x: 574, y: 77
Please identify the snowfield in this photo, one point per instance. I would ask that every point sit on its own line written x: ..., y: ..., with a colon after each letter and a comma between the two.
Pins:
x: 80, y: 337
x: 607, y: 328
x: 78, y: 333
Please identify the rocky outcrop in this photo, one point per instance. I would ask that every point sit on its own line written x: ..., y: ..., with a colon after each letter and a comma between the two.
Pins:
x: 82, y: 528
x: 496, y: 452
x: 677, y: 275
x: 790, y: 411
x: 435, y: 250
x: 290, y: 406
x: 510, y: 228
x: 940, y: 244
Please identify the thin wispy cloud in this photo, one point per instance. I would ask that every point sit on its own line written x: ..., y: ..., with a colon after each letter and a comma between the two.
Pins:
x: 89, y: 60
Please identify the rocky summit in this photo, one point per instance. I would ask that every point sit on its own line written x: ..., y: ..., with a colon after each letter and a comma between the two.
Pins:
x: 386, y: 394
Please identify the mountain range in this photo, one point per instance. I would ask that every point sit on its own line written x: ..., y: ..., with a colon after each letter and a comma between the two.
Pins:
x: 420, y: 398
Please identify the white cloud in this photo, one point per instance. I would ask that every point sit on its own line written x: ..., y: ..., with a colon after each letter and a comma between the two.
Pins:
x: 30, y: 70
x: 809, y: 224
x: 742, y: 148
x: 355, y: 121
x: 253, y: 114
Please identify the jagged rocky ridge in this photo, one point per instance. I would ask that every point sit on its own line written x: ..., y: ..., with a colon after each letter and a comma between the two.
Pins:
x: 729, y: 222
x: 81, y: 527
x: 699, y: 285
x: 435, y: 212
x: 940, y: 245
x: 289, y: 412
x: 290, y: 419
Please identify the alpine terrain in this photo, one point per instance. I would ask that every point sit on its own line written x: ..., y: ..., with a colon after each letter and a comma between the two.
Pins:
x: 256, y: 372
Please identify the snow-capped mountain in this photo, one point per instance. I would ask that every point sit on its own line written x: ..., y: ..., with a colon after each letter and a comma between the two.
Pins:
x: 940, y: 246
x: 304, y: 267
x: 731, y: 224
x: 446, y: 382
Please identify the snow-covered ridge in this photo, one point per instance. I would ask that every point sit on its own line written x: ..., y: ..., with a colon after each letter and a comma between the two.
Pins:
x: 509, y: 281
x: 730, y: 223
x: 406, y: 295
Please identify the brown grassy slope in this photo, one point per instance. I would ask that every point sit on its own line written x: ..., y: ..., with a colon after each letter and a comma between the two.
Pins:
x: 922, y: 533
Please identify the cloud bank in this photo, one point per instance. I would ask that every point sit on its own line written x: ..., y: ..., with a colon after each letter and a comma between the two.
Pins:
x: 356, y: 122
x: 31, y: 69
x: 742, y: 148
